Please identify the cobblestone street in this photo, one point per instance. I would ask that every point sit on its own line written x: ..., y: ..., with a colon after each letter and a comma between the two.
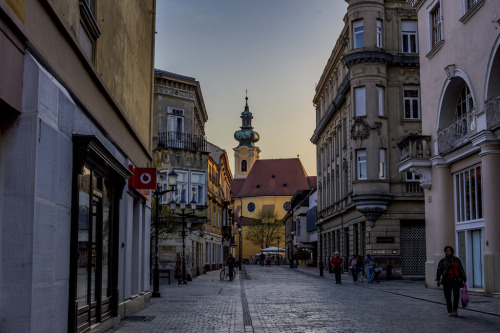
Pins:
x: 280, y: 299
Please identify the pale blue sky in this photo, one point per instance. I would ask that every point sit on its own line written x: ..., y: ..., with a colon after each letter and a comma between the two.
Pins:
x: 277, y: 49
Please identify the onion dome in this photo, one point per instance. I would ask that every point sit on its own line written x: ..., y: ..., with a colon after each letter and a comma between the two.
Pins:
x: 246, y: 136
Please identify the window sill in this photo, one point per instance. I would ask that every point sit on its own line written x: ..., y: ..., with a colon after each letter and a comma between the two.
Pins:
x: 435, y: 49
x: 472, y: 11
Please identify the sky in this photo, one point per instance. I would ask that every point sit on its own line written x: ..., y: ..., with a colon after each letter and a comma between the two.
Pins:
x: 275, y: 49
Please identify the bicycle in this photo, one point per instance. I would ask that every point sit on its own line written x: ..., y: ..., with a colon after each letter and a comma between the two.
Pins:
x: 376, y: 270
x: 224, y: 273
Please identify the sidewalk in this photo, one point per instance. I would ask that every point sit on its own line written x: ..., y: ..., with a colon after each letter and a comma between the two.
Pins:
x: 413, y: 289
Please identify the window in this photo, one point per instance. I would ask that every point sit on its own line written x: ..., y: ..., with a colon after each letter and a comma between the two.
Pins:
x: 198, y: 187
x: 436, y: 26
x: 251, y: 207
x: 409, y: 37
x: 360, y: 101
x: 411, y: 103
x: 286, y: 206
x: 358, y: 32
x: 469, y: 4
x: 381, y: 101
x: 411, y: 177
x: 361, y: 164
x: 89, y: 30
x: 382, y: 172
x: 465, y: 103
x: 468, y: 195
x: 181, y: 189
x: 379, y: 34
x: 244, y: 166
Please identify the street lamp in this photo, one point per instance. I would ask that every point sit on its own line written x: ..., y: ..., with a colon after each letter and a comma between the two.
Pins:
x: 279, y: 251
x: 320, y: 228
x: 292, y: 233
x: 183, y: 216
x: 158, y: 193
x: 240, y: 247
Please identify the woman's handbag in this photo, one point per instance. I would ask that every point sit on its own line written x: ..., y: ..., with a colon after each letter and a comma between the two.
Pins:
x: 465, y: 296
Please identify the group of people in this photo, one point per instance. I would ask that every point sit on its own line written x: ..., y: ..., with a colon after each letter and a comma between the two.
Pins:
x: 450, y: 274
x: 355, y: 266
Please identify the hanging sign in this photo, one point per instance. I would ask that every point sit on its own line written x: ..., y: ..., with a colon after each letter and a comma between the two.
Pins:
x: 143, y: 178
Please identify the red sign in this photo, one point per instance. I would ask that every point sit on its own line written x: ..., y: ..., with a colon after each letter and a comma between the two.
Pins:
x: 143, y: 178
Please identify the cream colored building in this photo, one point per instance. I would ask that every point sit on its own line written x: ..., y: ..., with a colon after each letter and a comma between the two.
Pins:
x: 460, y: 79
x: 368, y: 99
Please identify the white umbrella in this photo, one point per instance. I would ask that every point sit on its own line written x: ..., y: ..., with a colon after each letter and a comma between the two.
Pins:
x: 273, y: 249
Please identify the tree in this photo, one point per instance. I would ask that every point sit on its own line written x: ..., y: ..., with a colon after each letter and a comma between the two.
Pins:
x: 166, y: 221
x: 264, y: 230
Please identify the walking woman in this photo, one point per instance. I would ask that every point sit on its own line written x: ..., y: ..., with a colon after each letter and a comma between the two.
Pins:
x: 178, y: 269
x: 451, y: 275
x: 354, y: 268
x: 336, y: 262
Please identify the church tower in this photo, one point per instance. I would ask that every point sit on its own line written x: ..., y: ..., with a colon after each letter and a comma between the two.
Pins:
x: 246, y: 153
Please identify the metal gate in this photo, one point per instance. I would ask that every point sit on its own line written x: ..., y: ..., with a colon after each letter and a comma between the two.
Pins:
x: 413, y: 249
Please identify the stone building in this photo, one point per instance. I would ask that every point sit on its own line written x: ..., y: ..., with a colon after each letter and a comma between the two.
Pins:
x: 367, y: 100
x: 180, y: 145
x: 75, y: 113
x: 458, y: 167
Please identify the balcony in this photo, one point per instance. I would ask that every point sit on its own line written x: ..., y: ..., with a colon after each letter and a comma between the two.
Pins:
x: 456, y: 134
x: 492, y: 108
x: 414, y: 156
x: 181, y: 140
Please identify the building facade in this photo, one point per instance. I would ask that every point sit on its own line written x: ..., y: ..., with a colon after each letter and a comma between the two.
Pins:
x: 460, y: 79
x: 180, y: 145
x: 75, y: 112
x: 219, y: 231
x: 367, y: 99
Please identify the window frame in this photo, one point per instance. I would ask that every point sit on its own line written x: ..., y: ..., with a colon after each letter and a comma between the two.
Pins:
x: 382, y: 171
x: 198, y: 188
x: 380, y: 34
x: 247, y: 207
x: 361, y: 164
x: 411, y: 99
x: 358, y: 111
x: 409, y: 33
x: 355, y: 34
x: 463, y: 185
x: 381, y: 100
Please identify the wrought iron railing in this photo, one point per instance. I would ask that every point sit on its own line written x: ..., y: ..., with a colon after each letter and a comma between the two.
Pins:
x: 456, y: 134
x: 492, y: 108
x: 414, y: 147
x: 181, y: 141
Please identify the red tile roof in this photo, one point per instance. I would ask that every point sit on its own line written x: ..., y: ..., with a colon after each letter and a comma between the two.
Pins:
x: 236, y: 185
x: 274, y: 177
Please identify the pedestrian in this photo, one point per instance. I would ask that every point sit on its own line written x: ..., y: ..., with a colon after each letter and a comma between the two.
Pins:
x: 262, y: 259
x: 353, y: 264
x: 231, y: 262
x: 178, y: 269
x: 336, y: 263
x: 360, y: 268
x: 369, y: 262
x: 451, y: 275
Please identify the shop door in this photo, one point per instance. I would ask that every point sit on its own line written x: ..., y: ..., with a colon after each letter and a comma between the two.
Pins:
x: 93, y: 288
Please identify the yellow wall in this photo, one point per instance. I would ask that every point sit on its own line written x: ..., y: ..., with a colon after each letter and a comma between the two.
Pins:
x: 17, y: 7
x: 249, y: 249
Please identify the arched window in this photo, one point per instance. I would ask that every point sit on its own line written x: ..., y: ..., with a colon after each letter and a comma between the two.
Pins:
x: 244, y: 166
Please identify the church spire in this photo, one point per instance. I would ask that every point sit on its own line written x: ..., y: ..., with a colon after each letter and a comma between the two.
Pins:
x: 246, y: 136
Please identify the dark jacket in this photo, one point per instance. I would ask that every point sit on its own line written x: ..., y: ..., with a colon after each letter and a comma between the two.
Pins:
x: 441, y: 274
x: 231, y: 262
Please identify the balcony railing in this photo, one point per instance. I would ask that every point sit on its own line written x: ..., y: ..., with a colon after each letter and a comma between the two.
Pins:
x: 414, y: 147
x: 492, y: 107
x: 181, y: 141
x: 455, y: 134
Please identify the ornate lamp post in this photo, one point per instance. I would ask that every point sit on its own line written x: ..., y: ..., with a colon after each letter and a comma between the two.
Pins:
x: 279, y: 251
x: 292, y: 233
x: 158, y: 193
x: 320, y: 229
x: 183, y: 216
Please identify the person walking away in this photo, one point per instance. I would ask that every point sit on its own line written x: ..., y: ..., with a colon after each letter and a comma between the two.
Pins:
x: 353, y: 264
x: 369, y: 262
x: 360, y: 268
x: 336, y: 263
x: 451, y: 275
x: 262, y: 259
x: 178, y: 269
x: 231, y: 262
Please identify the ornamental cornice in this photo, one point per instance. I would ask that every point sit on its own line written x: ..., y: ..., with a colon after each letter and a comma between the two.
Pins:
x: 383, y: 57
x: 174, y: 92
